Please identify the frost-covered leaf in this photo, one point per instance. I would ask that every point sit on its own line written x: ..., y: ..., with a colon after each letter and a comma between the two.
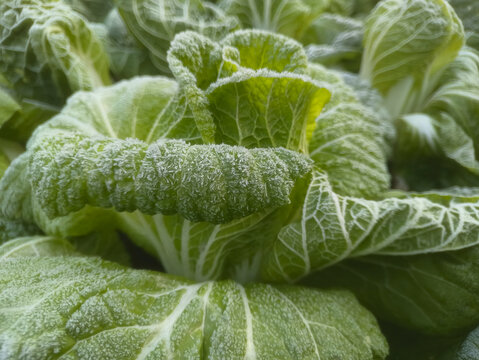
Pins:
x: 11, y: 226
x: 407, y: 43
x: 156, y: 177
x: 71, y: 171
x: 155, y: 23
x: 255, y: 178
x: 64, y: 54
x: 335, y: 227
x: 469, y: 349
x: 16, y: 201
x: 249, y: 90
x: 349, y: 141
x: 78, y: 308
x: 35, y: 246
x: 144, y: 108
x: 104, y: 244
x: 435, y: 294
x: 202, y: 250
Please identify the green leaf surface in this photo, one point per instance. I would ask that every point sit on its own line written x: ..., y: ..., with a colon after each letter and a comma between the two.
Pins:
x: 349, y: 141
x: 335, y: 227
x: 435, y: 294
x: 268, y: 174
x: 155, y: 23
x: 249, y: 90
x: 288, y: 17
x: 162, y: 177
x: 407, y: 43
x: 35, y: 246
x: 71, y: 308
x: 47, y: 53
x: 16, y: 201
x: 64, y: 54
x: 110, y: 118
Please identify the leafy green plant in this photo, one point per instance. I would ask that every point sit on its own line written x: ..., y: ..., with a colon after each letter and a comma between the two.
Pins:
x: 234, y: 179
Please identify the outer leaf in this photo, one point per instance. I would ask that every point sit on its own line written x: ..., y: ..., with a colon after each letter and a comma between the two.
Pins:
x: 70, y: 172
x: 16, y: 201
x: 348, y: 141
x: 104, y: 244
x: 11, y: 227
x: 117, y: 112
x: 8, y: 106
x: 155, y: 23
x: 35, y: 246
x: 17, y: 207
x: 406, y: 45
x: 249, y: 90
x: 103, y: 121
x: 433, y: 294
x: 201, y: 250
x: 145, y: 108
x: 335, y: 227
x: 104, y: 310
x: 458, y: 101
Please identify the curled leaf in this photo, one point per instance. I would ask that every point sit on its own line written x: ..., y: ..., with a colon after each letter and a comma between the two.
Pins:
x: 215, y: 183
